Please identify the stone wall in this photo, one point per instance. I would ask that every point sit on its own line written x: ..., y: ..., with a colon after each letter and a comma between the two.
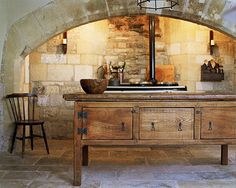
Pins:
x: 53, y: 73
x: 188, y: 46
x: 3, y: 28
x: 181, y: 44
x: 2, y: 136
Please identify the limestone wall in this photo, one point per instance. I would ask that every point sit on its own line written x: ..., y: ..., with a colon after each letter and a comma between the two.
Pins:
x: 3, y: 21
x: 180, y: 43
x: 188, y: 46
x: 53, y: 73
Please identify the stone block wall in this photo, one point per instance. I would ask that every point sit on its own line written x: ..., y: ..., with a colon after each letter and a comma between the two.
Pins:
x: 1, y: 117
x: 179, y: 43
x: 188, y: 46
x: 53, y: 73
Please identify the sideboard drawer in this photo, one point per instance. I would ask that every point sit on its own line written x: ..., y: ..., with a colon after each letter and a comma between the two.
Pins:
x: 218, y: 123
x: 108, y: 123
x: 166, y: 123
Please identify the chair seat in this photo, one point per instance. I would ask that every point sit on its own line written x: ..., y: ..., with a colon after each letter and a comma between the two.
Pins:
x: 29, y: 122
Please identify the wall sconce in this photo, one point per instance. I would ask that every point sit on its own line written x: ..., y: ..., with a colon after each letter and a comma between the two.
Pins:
x: 64, y: 43
x: 212, y: 42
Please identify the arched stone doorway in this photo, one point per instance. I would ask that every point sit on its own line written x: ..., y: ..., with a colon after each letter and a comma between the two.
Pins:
x: 58, y: 16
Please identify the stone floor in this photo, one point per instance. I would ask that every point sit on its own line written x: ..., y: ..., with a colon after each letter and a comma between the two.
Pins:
x: 120, y: 167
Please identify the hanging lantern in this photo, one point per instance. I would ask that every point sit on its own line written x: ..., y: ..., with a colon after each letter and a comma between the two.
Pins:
x: 157, y: 4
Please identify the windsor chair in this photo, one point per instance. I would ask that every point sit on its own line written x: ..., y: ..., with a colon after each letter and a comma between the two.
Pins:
x: 23, y: 110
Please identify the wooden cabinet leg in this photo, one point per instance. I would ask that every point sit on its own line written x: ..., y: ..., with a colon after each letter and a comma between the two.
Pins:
x: 77, y: 165
x: 77, y: 162
x: 224, y: 154
x: 85, y: 156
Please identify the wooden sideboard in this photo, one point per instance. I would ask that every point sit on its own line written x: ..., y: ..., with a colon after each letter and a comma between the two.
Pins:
x: 151, y: 120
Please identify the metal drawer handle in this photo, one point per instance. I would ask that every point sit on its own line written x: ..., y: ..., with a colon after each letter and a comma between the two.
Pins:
x: 153, y: 126
x: 122, y: 126
x: 180, y: 127
x: 210, y: 126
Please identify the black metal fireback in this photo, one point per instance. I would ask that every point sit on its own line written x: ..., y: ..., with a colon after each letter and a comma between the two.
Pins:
x: 152, y: 49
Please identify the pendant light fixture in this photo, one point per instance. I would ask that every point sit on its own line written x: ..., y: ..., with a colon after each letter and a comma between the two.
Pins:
x: 157, y: 4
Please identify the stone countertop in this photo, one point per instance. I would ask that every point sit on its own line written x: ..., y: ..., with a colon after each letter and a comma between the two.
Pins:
x: 115, y: 97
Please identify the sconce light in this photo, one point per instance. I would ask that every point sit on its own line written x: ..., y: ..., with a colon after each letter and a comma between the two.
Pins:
x: 212, y: 42
x: 64, y: 43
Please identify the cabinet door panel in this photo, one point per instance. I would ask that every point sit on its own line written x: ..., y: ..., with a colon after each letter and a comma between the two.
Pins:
x: 218, y: 123
x: 108, y: 123
x: 166, y: 123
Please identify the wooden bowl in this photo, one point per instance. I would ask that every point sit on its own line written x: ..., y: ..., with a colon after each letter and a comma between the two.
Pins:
x: 94, y: 86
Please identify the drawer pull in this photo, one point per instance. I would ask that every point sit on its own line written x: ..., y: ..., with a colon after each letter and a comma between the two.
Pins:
x: 180, y: 127
x: 210, y: 126
x: 153, y: 126
x: 122, y: 126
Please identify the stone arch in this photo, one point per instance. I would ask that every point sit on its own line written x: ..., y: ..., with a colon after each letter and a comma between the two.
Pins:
x: 57, y: 16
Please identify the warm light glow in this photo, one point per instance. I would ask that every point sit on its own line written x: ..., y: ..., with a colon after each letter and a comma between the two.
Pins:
x: 212, y: 42
x: 64, y: 41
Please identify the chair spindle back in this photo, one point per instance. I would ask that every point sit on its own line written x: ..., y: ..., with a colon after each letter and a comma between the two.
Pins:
x: 23, y: 106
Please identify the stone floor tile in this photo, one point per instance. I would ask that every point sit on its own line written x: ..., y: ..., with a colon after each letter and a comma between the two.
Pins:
x: 139, y: 184
x: 207, y: 184
x: 64, y: 177
x: 215, y: 175
x: 65, y: 168
x: 176, y: 176
x: 19, y: 168
x: 2, y: 173
x: 164, y: 166
x: 225, y: 168
x: 136, y: 174
x: 17, y: 160
x: 53, y: 161
x: 167, y: 161
x: 14, y: 184
x: 67, y: 154
x: 190, y: 168
x: 17, y: 175
x: 48, y: 184
x: 57, y: 145
x: 99, y: 173
x: 41, y: 153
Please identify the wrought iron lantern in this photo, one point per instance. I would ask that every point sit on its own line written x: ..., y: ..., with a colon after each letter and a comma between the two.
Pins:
x: 157, y: 4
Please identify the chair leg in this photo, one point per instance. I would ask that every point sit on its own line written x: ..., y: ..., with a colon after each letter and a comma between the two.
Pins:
x: 14, y: 138
x: 45, y: 138
x: 31, y: 137
x: 23, y: 141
